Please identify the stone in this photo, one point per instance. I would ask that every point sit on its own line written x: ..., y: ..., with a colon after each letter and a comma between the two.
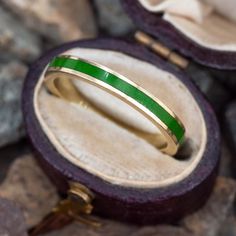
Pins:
x: 230, y: 125
x: 16, y: 41
x: 226, y: 160
x: 58, y: 21
x: 209, y: 220
x: 231, y: 81
x: 226, y: 78
x: 112, y: 18
x: 111, y: 228
x: 28, y: 186
x: 9, y: 153
x: 11, y: 82
x: 161, y: 230
x: 214, y: 91
x: 229, y: 227
x: 12, y: 221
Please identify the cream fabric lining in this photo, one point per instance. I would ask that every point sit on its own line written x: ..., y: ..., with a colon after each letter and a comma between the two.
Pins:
x: 209, y: 23
x: 110, y: 152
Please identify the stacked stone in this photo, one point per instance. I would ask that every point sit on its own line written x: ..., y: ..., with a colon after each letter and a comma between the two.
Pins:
x: 27, y: 28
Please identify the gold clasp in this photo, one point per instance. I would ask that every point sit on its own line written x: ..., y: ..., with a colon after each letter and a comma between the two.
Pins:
x: 78, y: 204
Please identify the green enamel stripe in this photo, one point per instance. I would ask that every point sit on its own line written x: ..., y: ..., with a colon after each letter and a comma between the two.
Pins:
x: 123, y: 86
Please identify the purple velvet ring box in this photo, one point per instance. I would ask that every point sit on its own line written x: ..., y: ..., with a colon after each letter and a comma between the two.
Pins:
x: 130, y: 179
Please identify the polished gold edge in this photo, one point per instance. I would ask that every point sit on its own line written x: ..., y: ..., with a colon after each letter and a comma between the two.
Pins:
x: 130, y: 82
x: 123, y: 96
x: 133, y: 103
x: 172, y: 143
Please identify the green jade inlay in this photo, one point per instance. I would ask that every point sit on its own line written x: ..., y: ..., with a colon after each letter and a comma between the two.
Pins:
x: 123, y: 86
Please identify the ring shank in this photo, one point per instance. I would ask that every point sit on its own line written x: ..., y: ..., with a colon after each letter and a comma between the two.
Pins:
x: 58, y: 81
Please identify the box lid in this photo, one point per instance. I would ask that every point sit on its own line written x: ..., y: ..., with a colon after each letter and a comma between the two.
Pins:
x: 155, y: 25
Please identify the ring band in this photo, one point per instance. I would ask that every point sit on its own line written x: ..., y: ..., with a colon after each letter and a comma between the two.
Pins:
x: 71, y: 67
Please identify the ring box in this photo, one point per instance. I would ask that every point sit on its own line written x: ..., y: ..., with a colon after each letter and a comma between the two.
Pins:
x: 131, y: 180
x: 210, y: 42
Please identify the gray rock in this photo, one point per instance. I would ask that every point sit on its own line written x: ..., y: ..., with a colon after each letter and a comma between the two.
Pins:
x: 227, y: 78
x: 161, y: 230
x: 12, y: 221
x: 29, y: 187
x: 16, y: 41
x: 112, y: 17
x: 230, y: 123
x: 226, y: 160
x: 111, y: 228
x: 208, y: 221
x: 215, y: 92
x: 56, y: 20
x: 11, y: 81
x: 230, y: 81
x: 229, y: 227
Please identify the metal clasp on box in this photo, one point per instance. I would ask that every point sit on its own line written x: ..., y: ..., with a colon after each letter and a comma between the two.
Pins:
x: 76, y: 207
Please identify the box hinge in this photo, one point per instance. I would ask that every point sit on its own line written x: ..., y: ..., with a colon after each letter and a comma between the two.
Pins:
x: 161, y: 50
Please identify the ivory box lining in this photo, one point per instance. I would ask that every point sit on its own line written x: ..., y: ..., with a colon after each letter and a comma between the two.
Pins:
x: 108, y: 151
x: 217, y: 30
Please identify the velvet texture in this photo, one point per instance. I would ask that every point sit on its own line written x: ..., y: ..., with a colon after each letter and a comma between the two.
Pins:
x: 155, y: 25
x: 138, y: 206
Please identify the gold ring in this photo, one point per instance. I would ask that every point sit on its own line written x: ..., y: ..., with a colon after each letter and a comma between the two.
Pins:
x: 63, y: 68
